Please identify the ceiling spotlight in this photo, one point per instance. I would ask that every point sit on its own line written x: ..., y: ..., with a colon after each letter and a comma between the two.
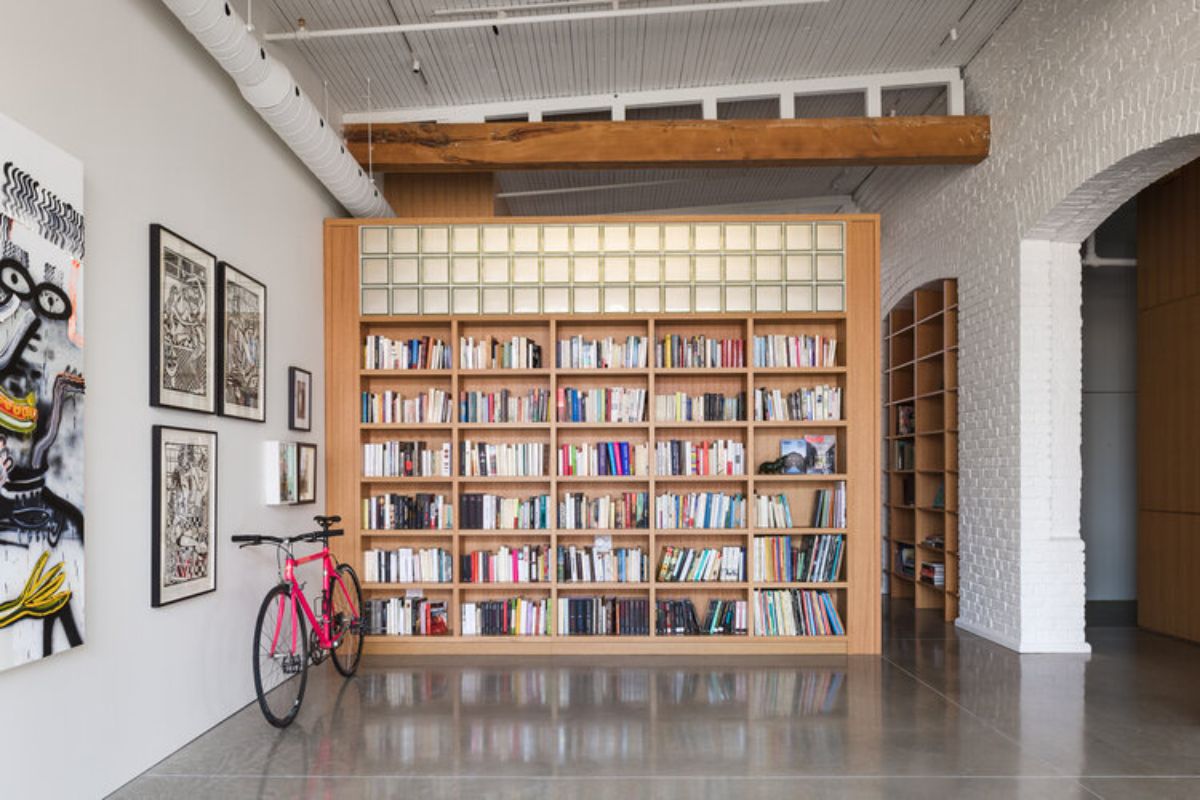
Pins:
x: 416, y: 67
x: 496, y: 30
x: 954, y: 34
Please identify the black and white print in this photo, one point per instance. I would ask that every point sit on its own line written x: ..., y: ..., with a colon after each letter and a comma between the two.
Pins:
x: 185, y: 514
x: 183, y: 289
x: 243, y: 303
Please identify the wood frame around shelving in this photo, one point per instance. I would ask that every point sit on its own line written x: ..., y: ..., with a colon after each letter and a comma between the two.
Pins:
x: 858, y: 331
x: 921, y: 348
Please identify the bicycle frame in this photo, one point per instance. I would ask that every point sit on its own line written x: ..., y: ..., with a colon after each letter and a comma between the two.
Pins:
x: 323, y: 626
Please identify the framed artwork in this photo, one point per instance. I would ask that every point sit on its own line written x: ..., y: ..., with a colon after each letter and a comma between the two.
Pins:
x: 280, y: 473
x: 183, y: 307
x: 306, y: 474
x: 242, y: 304
x: 299, y: 399
x: 184, y: 545
x: 42, y: 560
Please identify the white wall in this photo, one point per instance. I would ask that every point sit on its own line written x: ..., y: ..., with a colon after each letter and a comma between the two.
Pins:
x: 164, y: 137
x: 1089, y: 102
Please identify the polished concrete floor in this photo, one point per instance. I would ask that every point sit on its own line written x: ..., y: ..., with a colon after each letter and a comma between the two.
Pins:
x: 943, y: 714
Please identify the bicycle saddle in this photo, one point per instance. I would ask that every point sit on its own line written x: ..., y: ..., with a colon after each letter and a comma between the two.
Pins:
x: 325, y: 522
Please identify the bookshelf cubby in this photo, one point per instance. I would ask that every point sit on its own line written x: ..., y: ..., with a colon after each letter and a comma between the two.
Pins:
x: 921, y: 475
x: 856, y: 433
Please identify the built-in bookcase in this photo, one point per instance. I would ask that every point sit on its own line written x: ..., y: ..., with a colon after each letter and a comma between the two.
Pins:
x: 921, y: 548
x: 852, y: 589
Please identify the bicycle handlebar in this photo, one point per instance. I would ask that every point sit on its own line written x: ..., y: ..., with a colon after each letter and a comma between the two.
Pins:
x: 246, y: 539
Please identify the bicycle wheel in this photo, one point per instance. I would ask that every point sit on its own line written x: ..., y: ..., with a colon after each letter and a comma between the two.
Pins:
x: 280, y: 658
x: 347, y: 619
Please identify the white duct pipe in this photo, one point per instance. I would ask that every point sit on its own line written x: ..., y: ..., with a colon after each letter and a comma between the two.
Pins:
x: 269, y: 87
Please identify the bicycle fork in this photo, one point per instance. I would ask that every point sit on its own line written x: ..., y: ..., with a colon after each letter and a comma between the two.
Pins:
x: 291, y: 662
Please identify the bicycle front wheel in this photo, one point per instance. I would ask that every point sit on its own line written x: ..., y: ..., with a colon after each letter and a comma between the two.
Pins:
x: 280, y: 657
x: 347, y: 619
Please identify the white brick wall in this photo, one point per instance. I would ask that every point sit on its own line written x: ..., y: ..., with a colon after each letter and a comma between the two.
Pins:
x: 1090, y: 102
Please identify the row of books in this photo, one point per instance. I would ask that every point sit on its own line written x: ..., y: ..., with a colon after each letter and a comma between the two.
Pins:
x: 399, y: 512
x: 679, y: 618
x: 382, y: 352
x: 719, y: 457
x: 524, y: 564
x: 773, y: 511
x: 815, y: 403
x: 700, y: 510
x: 632, y: 352
x: 707, y: 407
x: 795, y: 351
x: 406, y: 565
x: 508, y: 459
x: 493, y: 512
x: 796, y: 612
x: 405, y: 616
x: 596, y: 565
x: 617, y: 404
x: 603, y: 459
x: 505, y: 406
x: 829, y: 507
x: 577, y: 511
x: 690, y: 564
x: 809, y: 559
x: 516, y: 616
x: 602, y: 616
x: 432, y: 406
x: 401, y: 459
x: 904, y: 455
x: 933, y: 572
x: 517, y: 352
x: 691, y: 352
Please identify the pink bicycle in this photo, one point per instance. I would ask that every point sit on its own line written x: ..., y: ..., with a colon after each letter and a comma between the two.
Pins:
x: 283, y: 648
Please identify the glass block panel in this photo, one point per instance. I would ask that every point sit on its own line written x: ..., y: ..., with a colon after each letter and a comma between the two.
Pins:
x: 829, y: 267
x: 798, y: 236
x: 616, y: 238
x: 708, y: 269
x: 374, y: 271
x: 374, y: 301
x: 405, y: 270
x: 495, y: 238
x: 526, y: 300
x: 587, y: 299
x: 616, y: 269
x: 465, y: 270
x: 435, y: 239
x: 466, y: 300
x: 616, y: 299
x: 708, y: 298
x: 495, y: 270
x: 435, y: 270
x: 708, y: 237
x: 435, y: 301
x: 587, y: 269
x: 800, y: 298
x: 405, y: 300
x: 829, y: 236
x: 737, y: 268
x: 830, y: 298
x: 768, y: 297
x: 495, y: 300
x: 737, y: 236
x: 677, y: 237
x: 405, y: 240
x: 465, y: 238
x: 526, y: 269
x: 556, y: 269
x: 646, y: 238
x: 587, y: 238
x: 798, y: 267
x: 738, y: 297
x: 556, y: 299
x: 646, y: 269
x: 677, y: 299
x: 677, y: 269
x: 525, y: 238
x: 768, y: 268
x: 646, y: 299
x: 374, y: 240
x: 768, y: 236
x: 556, y: 239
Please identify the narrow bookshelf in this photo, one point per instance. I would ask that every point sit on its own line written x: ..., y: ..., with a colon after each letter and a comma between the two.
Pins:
x: 921, y: 545
x: 592, y: 480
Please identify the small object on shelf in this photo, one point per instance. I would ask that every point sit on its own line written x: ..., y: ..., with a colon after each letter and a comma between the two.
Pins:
x: 905, y: 420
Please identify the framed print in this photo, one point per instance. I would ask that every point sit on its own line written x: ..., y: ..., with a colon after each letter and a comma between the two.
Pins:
x: 299, y: 399
x: 183, y: 308
x: 242, y: 303
x: 281, y: 473
x: 184, y: 546
x: 306, y: 474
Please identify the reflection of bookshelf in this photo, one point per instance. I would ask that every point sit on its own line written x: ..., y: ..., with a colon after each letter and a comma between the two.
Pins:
x: 922, y: 433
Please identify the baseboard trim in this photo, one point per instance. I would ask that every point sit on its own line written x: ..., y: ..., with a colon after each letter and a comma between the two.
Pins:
x: 1025, y: 647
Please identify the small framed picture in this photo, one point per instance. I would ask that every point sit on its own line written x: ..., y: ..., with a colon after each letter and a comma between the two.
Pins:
x: 280, y: 473
x: 242, y: 302
x: 184, y: 546
x: 299, y: 399
x: 183, y: 323
x: 306, y: 474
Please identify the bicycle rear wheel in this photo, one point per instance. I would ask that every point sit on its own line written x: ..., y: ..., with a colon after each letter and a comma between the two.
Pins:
x: 280, y: 657
x: 347, y: 619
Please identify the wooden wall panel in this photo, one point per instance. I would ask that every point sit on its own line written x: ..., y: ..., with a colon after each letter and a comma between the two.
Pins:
x: 342, y: 359
x: 465, y: 194
x: 1169, y: 405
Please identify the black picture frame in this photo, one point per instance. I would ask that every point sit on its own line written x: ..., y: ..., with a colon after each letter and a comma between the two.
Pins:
x: 229, y: 403
x: 161, y: 593
x: 175, y: 328
x: 303, y: 451
x: 299, y: 399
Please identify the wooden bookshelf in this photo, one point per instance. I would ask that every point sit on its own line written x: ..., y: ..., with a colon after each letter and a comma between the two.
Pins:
x: 858, y: 433
x: 921, y: 477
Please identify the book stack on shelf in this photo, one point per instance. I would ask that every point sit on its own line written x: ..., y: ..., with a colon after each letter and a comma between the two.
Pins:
x: 406, y: 565
x: 602, y: 564
x: 602, y: 616
x: 706, y: 564
x: 503, y: 406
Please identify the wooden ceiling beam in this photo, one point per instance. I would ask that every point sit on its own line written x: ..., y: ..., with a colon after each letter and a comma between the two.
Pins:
x: 848, y: 141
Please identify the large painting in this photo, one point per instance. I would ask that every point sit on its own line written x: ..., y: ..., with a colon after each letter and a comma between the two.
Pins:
x: 41, y: 398
x: 243, y: 303
x: 184, y: 547
x: 183, y: 351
